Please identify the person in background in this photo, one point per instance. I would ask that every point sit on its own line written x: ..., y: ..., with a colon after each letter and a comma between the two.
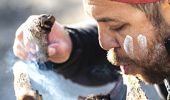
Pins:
x: 133, y: 33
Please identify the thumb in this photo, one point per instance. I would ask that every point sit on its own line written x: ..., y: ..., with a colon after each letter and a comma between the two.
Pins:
x: 51, y: 51
x: 58, y: 52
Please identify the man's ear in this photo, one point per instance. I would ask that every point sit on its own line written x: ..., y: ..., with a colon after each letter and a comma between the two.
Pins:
x: 165, y: 10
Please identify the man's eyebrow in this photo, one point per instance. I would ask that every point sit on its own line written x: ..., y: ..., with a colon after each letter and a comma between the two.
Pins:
x: 106, y: 19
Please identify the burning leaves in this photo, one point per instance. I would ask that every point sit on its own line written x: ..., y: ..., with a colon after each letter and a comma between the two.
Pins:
x: 36, y: 32
x: 22, y: 85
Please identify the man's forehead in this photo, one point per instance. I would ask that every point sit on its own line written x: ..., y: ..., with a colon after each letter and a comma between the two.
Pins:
x: 97, y: 2
x: 98, y: 7
x: 122, y: 1
x: 90, y: 5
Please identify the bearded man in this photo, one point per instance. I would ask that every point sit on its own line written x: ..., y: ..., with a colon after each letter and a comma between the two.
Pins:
x: 134, y: 32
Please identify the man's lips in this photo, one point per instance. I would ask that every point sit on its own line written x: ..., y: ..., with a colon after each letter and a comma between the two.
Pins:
x: 124, y: 68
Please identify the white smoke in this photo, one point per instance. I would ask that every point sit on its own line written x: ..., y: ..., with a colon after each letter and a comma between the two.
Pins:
x: 53, y: 86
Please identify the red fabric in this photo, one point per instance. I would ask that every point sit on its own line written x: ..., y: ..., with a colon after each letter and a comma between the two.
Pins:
x: 136, y: 1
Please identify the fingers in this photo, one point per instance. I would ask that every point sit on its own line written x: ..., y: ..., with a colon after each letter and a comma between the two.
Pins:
x: 22, y: 46
x: 57, y: 53
x: 19, y: 32
x: 23, y: 52
x: 18, y: 45
x: 19, y: 50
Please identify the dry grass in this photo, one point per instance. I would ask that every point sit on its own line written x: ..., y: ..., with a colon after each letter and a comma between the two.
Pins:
x: 134, y: 91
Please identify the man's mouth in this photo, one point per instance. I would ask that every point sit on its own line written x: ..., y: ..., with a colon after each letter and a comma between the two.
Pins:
x: 124, y: 69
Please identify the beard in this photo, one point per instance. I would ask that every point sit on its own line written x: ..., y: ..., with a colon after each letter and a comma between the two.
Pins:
x: 151, y: 68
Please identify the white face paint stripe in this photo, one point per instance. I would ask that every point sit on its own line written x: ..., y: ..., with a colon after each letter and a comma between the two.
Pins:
x: 142, y: 41
x: 128, y: 46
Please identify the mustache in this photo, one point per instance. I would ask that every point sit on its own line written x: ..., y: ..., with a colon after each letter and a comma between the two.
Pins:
x: 117, y: 58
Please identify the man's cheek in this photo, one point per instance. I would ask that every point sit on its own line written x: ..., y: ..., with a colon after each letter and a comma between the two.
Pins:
x: 136, y: 50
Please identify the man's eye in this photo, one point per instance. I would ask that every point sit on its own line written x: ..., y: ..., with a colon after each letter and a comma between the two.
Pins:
x: 117, y: 28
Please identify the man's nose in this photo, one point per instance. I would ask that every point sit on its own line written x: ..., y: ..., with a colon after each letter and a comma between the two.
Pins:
x: 107, y: 41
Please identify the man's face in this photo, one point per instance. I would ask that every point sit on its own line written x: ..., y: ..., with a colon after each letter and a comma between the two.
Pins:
x: 133, y: 43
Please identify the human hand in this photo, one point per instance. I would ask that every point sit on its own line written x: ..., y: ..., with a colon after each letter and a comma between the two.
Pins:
x: 59, y: 44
